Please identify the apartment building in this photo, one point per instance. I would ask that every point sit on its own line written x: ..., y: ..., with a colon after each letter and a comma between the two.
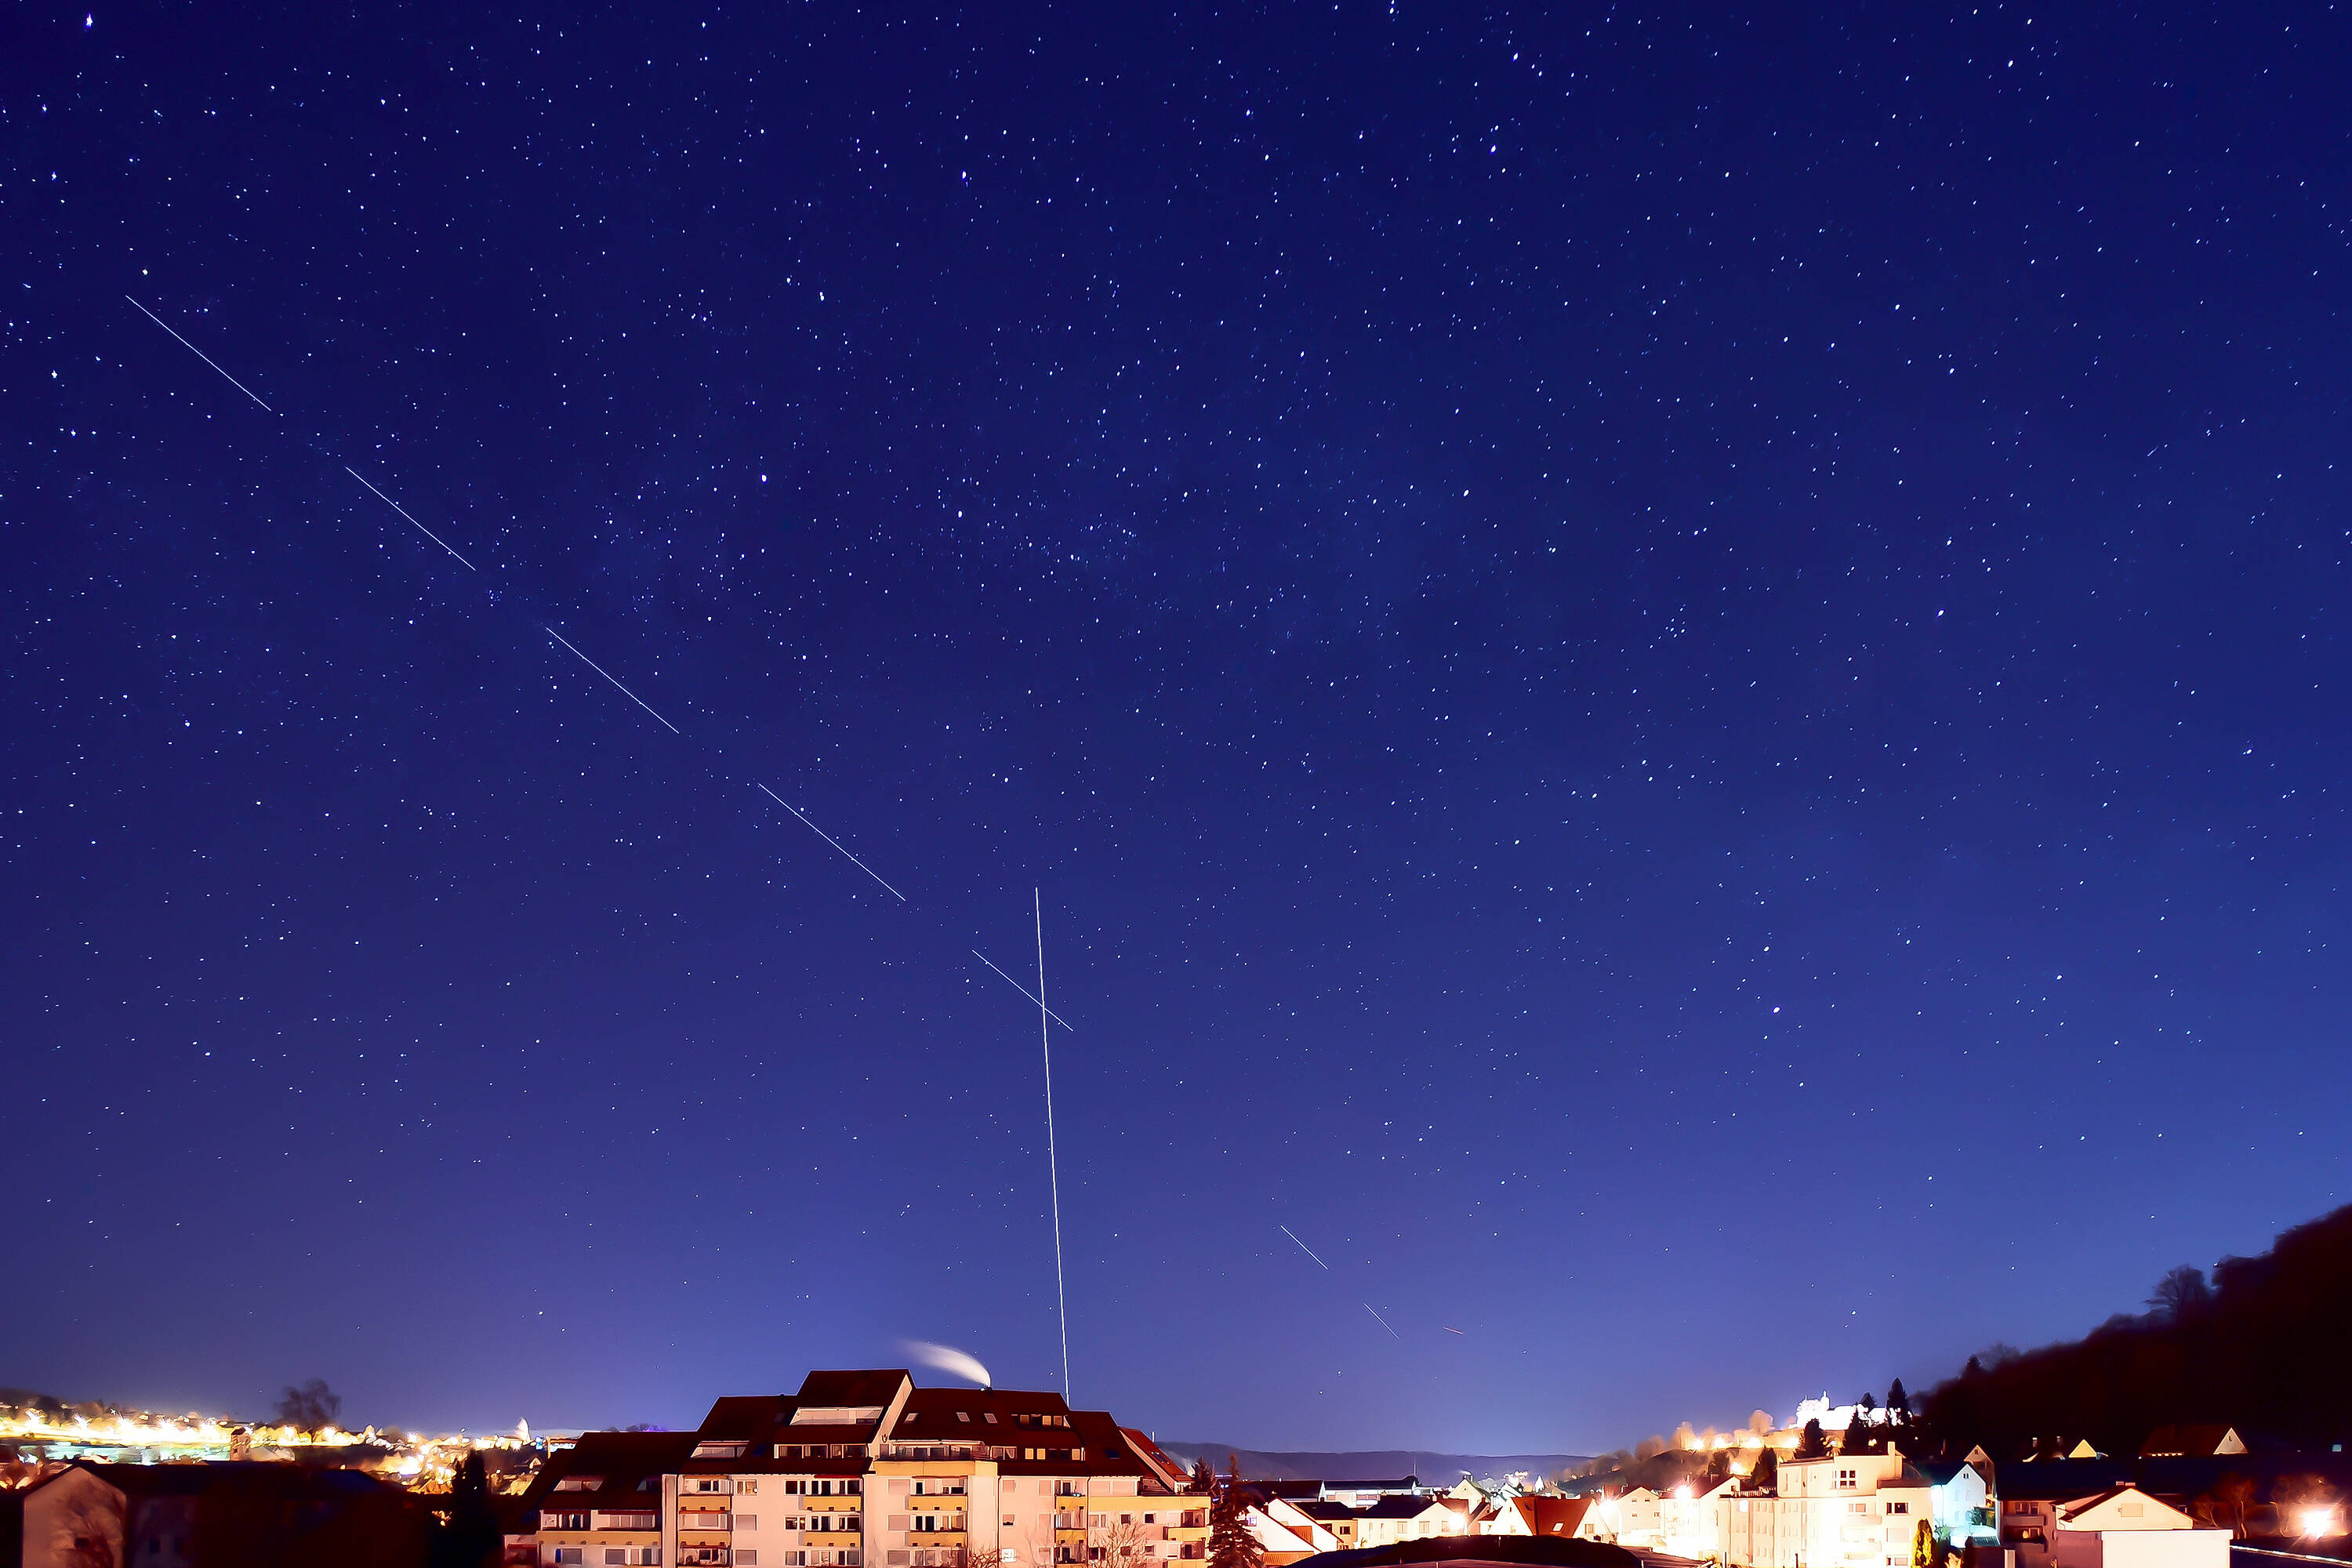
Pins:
x: 598, y: 1501
x: 1850, y: 1511
x: 862, y: 1469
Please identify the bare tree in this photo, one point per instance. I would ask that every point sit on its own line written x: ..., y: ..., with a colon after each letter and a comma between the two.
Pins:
x: 2234, y: 1496
x: 310, y: 1407
x: 94, y: 1522
x: 2181, y: 1293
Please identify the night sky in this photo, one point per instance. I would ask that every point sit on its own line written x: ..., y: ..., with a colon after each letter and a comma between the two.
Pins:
x: 1676, y: 681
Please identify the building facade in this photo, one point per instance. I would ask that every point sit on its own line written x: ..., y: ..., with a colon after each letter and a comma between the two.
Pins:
x: 862, y: 1469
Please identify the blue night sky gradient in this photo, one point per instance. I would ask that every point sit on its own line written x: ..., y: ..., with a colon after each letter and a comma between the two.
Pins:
x: 1675, y: 679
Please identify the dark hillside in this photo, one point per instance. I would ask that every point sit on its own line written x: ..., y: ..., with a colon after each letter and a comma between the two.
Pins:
x: 2265, y: 1346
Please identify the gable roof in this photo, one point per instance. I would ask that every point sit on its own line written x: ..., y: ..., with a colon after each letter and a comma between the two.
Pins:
x: 1553, y: 1515
x: 2191, y: 1441
x: 2069, y: 1512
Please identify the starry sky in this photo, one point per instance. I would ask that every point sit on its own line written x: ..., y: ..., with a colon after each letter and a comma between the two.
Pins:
x: 1673, y: 680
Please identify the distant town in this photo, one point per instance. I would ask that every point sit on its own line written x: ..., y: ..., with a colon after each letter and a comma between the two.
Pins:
x: 865, y: 1469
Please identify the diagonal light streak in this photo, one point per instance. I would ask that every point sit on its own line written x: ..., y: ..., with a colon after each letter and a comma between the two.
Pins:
x: 599, y: 668
x: 203, y: 357
x: 1305, y: 1249
x: 829, y: 838
x: 434, y: 538
x: 1024, y: 991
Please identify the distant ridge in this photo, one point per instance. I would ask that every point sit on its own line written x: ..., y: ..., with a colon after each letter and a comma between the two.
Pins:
x: 1371, y: 1464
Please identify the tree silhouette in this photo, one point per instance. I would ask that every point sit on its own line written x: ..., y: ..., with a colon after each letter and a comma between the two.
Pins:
x: 1765, y: 1474
x: 2261, y: 1346
x: 472, y: 1536
x: 1813, y: 1442
x: 1231, y: 1542
x: 2181, y: 1293
x: 312, y: 1407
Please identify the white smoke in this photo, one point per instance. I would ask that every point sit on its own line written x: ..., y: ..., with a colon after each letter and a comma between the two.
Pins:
x: 949, y: 1359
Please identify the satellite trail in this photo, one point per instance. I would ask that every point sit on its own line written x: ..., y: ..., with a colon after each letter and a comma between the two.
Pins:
x: 625, y: 692
x: 208, y: 360
x: 1023, y: 989
x: 829, y: 838
x: 1304, y: 1247
x: 1380, y: 1321
x: 1046, y: 1016
x: 434, y: 537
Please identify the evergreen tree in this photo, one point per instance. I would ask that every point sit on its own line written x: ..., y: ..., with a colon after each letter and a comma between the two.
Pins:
x: 1204, y: 1481
x: 1765, y: 1474
x: 1898, y: 1403
x: 472, y: 1538
x: 1230, y: 1545
x: 1813, y: 1443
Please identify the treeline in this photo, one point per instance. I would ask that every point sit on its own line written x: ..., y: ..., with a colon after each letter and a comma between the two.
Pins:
x: 2265, y: 1345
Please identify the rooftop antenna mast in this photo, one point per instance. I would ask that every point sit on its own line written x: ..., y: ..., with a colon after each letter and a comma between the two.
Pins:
x: 1052, y: 1161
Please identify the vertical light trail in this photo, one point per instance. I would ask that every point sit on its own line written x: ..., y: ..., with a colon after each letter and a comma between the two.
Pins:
x: 1053, y: 1160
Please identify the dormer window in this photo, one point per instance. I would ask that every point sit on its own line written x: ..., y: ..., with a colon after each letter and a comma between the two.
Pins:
x: 963, y: 1416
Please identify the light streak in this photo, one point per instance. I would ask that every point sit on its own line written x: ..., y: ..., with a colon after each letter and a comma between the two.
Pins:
x: 829, y: 838
x: 434, y: 538
x: 1053, y: 1160
x: 616, y: 685
x: 202, y: 355
x: 1380, y: 1321
x: 1024, y: 991
x: 1302, y: 1246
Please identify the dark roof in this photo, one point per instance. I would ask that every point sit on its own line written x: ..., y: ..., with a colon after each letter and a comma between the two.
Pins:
x: 1545, y: 1551
x: 2194, y: 1441
x: 1321, y: 1507
x: 619, y: 1460
x: 878, y: 1386
x: 931, y: 1412
x: 745, y: 1417
x: 194, y: 1479
x: 2059, y: 1481
x: 1553, y: 1515
x: 1398, y: 1506
x: 1177, y: 1474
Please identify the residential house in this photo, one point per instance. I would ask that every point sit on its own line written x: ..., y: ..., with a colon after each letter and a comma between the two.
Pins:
x: 1406, y: 1517
x: 1553, y: 1518
x: 154, y: 1516
x: 2192, y: 1442
x: 1338, y: 1519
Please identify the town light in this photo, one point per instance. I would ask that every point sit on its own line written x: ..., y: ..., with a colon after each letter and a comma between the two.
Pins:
x: 2319, y: 1521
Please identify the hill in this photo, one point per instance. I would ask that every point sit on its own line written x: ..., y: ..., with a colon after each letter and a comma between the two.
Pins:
x: 2260, y: 1346
x: 1369, y: 1464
